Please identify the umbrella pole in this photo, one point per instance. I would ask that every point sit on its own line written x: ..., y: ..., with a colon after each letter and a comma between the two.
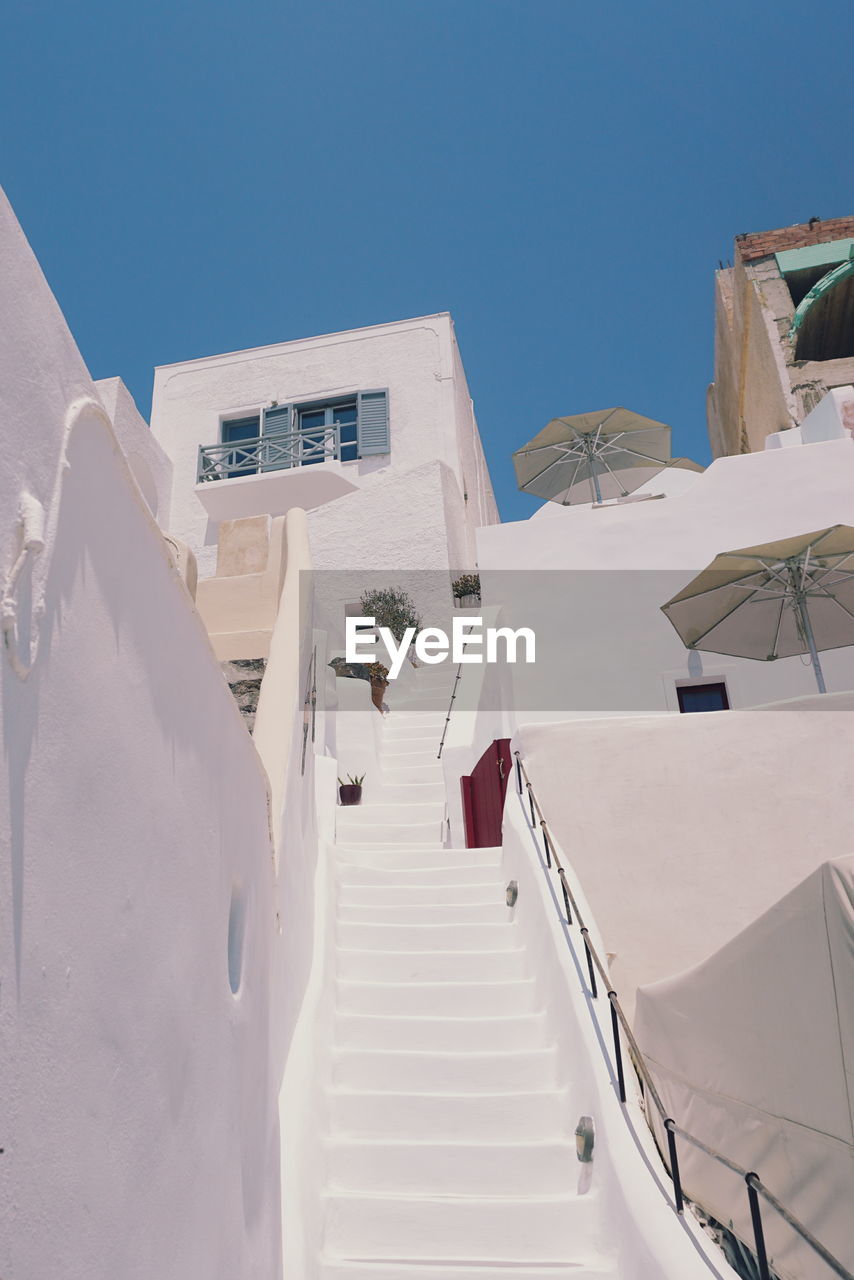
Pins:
x: 803, y: 614
x: 594, y: 479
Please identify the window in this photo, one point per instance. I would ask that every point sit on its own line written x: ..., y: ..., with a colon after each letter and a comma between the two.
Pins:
x: 314, y: 419
x: 240, y: 462
x: 299, y: 435
x: 702, y: 697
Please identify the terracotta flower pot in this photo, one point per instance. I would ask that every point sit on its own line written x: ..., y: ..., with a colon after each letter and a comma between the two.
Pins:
x: 350, y: 794
x: 377, y: 690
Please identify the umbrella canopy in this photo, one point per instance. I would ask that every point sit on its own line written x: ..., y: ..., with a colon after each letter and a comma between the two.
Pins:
x: 773, y: 601
x: 592, y: 456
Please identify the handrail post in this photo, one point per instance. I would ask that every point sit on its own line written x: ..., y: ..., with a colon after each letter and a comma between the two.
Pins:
x: 531, y: 803
x: 590, y: 969
x: 546, y: 848
x: 674, y: 1166
x: 566, y: 903
x: 518, y: 772
x: 618, y: 1051
x: 758, y: 1231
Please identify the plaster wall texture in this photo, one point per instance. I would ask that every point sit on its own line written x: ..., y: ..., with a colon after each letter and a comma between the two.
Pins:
x: 672, y: 870
x: 758, y: 381
x: 150, y: 466
x: 240, y: 609
x: 601, y: 630
x: 430, y: 415
x: 140, y: 1131
x: 413, y: 520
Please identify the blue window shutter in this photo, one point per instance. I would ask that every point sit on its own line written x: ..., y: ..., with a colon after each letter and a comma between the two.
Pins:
x: 277, y: 420
x: 373, y: 423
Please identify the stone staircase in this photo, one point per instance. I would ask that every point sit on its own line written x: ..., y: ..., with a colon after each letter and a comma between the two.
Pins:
x: 450, y: 1150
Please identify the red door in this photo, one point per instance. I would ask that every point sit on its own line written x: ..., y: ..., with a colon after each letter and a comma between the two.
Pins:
x: 483, y: 795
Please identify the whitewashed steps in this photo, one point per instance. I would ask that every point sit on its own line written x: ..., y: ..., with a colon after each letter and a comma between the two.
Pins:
x: 435, y: 935
x: 348, y: 1269
x: 494, y: 1229
x: 406, y: 860
x: 451, y: 1168
x: 454, y: 999
x: 499, y: 1071
x: 517, y: 1117
x: 400, y: 914
x: 449, y: 1152
x: 431, y: 966
x: 401, y: 895
x: 438, y: 1034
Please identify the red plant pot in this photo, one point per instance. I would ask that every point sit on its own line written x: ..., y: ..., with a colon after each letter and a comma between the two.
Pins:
x: 350, y: 794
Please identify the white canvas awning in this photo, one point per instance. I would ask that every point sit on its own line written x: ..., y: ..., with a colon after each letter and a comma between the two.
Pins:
x: 753, y: 1052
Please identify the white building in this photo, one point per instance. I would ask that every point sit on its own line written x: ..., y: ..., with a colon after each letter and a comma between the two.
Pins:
x: 246, y: 1031
x: 372, y: 431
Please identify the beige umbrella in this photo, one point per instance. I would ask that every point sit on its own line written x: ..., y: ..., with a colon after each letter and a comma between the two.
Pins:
x: 592, y: 456
x: 773, y: 601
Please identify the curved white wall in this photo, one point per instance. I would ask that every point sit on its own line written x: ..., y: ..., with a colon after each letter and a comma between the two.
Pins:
x: 140, y: 1129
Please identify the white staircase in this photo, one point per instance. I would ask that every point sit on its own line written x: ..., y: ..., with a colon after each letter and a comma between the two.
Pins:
x: 450, y: 1151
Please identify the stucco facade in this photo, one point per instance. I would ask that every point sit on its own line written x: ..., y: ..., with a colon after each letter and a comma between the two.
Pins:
x: 772, y: 366
x: 431, y: 423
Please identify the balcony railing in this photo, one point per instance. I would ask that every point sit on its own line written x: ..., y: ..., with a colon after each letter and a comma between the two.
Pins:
x: 269, y: 453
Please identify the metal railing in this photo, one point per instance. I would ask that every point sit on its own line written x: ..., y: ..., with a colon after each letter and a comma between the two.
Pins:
x: 309, y: 706
x: 450, y: 709
x: 274, y: 452
x: 755, y: 1186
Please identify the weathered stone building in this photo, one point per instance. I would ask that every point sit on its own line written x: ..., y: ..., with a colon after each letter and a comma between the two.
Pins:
x: 784, y: 331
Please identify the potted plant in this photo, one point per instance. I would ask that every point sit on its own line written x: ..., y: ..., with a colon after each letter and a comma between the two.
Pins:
x: 379, y: 683
x: 466, y: 589
x: 351, y: 792
x: 393, y: 608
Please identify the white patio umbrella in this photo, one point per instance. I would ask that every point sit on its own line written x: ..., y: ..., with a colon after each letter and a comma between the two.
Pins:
x: 795, y: 596
x: 591, y: 456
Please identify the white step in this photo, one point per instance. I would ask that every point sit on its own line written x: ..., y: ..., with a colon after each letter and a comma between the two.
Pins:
x: 398, y: 775
x: 393, y: 936
x: 452, y: 1168
x: 394, y: 754
x: 441, y: 875
x: 517, y: 1117
x: 348, y: 1269
x: 430, y: 966
x: 397, y: 896
x: 399, y: 913
x: 398, y: 1070
x: 496, y: 1229
x: 409, y: 792
x: 412, y: 724
x: 354, y: 831
x: 373, y: 1031
x: 490, y: 999
x: 385, y: 813
x: 398, y: 856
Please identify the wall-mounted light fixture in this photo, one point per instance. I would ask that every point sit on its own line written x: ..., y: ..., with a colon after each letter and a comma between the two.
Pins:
x: 584, y: 1139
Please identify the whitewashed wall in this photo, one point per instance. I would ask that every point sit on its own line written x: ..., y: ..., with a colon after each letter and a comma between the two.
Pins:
x: 149, y: 465
x: 140, y: 1119
x: 429, y: 409
x: 611, y: 649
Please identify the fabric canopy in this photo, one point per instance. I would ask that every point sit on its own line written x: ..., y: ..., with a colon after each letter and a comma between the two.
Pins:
x: 753, y: 1053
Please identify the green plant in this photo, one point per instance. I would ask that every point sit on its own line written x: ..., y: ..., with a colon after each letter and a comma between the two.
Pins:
x: 378, y: 673
x: 393, y: 608
x: 467, y: 584
x: 351, y: 781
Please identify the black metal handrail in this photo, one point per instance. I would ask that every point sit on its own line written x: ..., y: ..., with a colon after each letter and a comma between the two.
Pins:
x: 450, y: 709
x: 754, y: 1184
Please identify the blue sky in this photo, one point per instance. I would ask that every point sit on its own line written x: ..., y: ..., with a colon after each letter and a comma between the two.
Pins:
x: 563, y: 177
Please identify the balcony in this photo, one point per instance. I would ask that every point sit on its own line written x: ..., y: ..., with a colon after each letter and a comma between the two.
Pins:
x: 270, y: 474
